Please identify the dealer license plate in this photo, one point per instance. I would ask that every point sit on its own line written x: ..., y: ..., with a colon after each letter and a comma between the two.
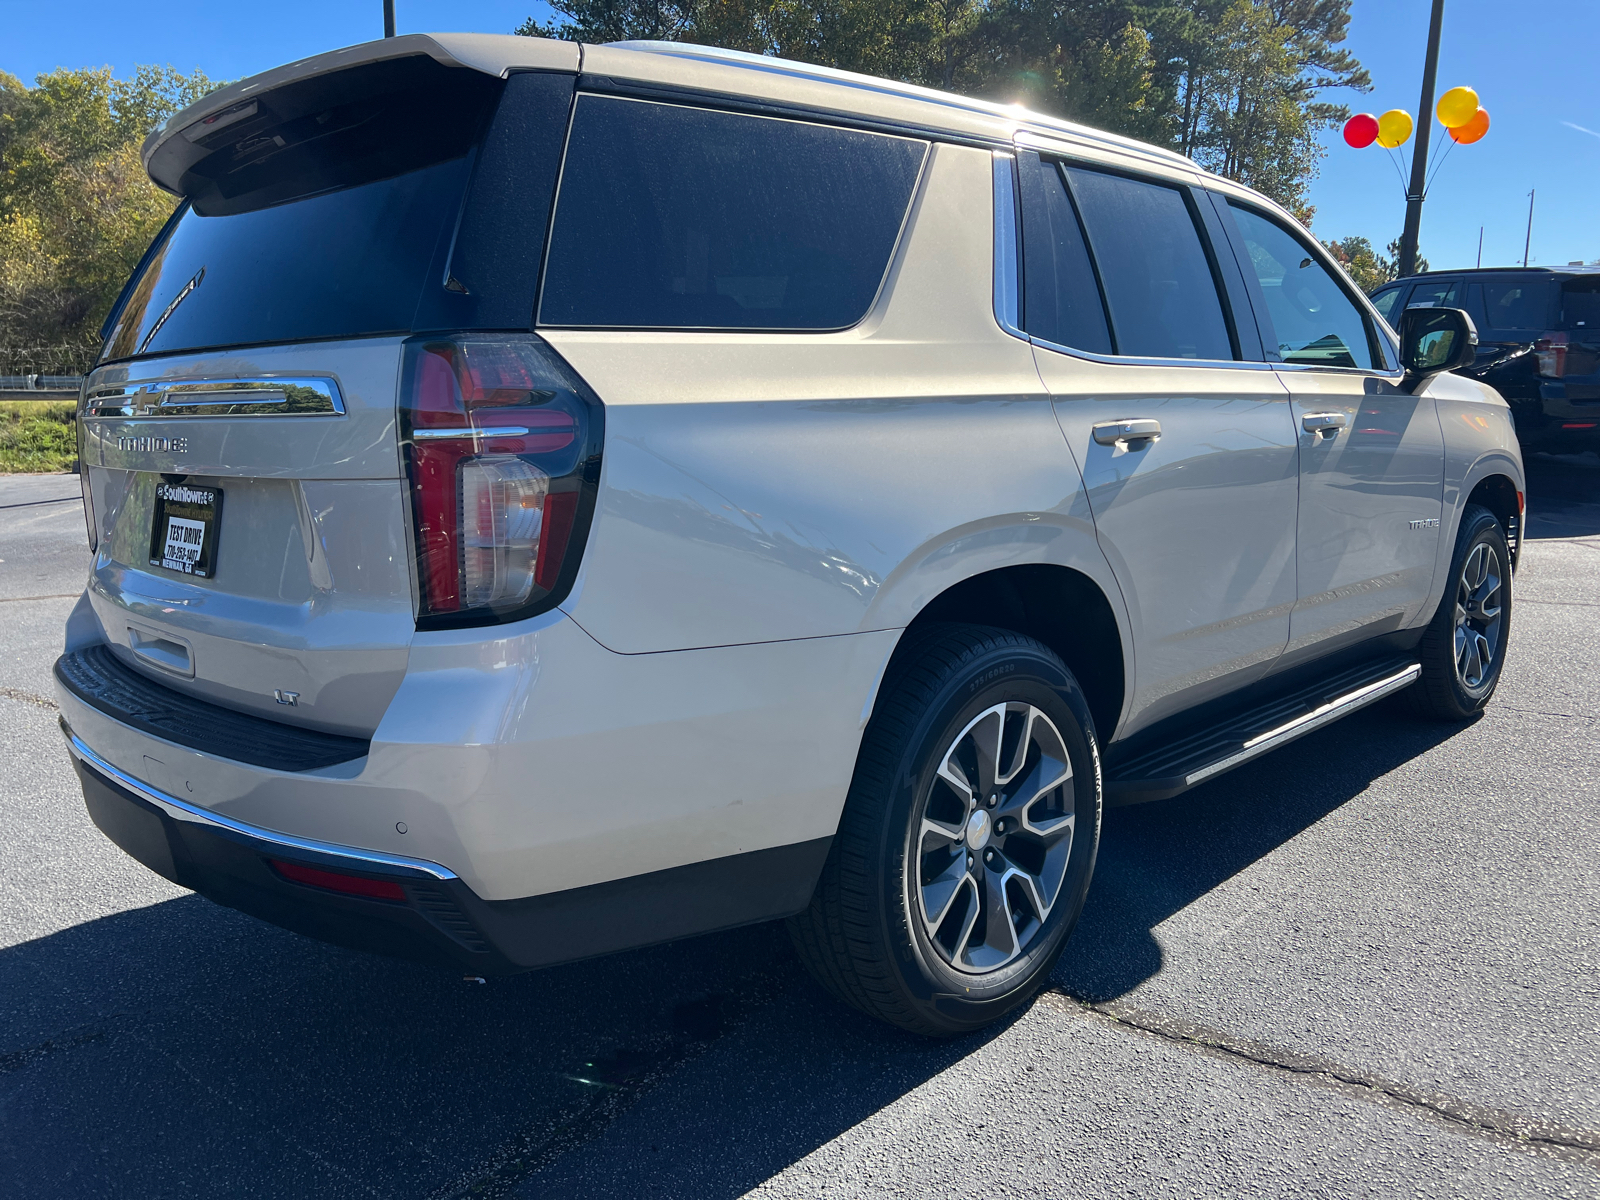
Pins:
x: 183, y: 536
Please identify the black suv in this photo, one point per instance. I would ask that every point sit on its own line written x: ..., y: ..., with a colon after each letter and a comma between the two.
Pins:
x: 1538, y: 341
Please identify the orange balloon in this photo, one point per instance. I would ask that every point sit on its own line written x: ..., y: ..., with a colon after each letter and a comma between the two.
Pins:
x: 1473, y: 129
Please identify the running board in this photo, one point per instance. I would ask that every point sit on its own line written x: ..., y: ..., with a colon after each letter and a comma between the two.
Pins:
x: 1175, y: 767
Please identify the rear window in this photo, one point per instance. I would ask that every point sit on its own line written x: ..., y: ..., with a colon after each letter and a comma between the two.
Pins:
x: 1518, y: 304
x: 1580, y: 304
x: 672, y: 217
x: 326, y: 209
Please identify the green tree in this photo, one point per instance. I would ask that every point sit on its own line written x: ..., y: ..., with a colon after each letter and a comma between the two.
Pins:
x: 76, y: 208
x: 1366, y: 266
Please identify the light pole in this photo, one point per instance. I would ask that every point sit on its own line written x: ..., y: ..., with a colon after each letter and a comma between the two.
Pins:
x: 388, y: 18
x: 1419, y: 151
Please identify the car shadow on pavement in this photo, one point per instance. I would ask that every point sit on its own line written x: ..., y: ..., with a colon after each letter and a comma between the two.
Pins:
x: 183, y: 1047
x: 1156, y: 859
x: 1563, y: 494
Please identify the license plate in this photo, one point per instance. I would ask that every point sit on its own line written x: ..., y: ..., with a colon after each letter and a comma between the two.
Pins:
x: 183, y: 536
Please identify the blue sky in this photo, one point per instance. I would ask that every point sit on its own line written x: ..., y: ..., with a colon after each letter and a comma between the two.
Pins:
x: 1527, y: 61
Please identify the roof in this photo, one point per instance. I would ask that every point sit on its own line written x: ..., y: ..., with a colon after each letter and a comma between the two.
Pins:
x: 670, y: 64
x: 1585, y: 269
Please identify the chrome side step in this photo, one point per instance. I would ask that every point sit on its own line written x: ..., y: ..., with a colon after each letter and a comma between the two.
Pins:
x: 1172, y: 768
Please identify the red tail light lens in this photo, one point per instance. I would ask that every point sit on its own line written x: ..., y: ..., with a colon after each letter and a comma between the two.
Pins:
x: 502, y: 444
x: 1552, y: 352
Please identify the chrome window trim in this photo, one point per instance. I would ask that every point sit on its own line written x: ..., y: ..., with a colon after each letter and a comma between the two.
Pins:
x: 1129, y: 360
x: 1007, y: 276
x: 179, y: 810
x: 166, y: 399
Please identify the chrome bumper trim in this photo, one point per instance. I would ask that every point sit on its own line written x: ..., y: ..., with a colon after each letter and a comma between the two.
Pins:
x: 1314, y: 719
x: 179, y: 810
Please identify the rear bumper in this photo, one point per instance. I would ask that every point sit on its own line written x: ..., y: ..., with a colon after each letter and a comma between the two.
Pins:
x: 440, y: 920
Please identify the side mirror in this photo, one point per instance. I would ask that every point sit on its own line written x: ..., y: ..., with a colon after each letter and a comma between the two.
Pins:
x: 1433, y: 340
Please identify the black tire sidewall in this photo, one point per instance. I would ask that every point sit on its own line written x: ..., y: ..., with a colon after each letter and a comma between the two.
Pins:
x: 1028, y: 673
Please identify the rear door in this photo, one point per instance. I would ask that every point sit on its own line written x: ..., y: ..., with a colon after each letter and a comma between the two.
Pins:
x: 1123, y: 298
x: 1371, y: 455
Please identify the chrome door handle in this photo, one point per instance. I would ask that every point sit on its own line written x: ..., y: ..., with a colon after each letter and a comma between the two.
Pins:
x: 1142, y: 430
x: 1323, y: 424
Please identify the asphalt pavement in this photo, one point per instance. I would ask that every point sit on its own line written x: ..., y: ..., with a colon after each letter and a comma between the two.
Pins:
x: 1366, y: 965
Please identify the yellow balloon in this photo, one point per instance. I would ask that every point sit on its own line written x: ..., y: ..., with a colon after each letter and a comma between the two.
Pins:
x: 1394, y: 128
x: 1456, y: 107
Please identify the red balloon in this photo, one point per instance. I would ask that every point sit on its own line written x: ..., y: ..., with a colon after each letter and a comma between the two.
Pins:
x: 1361, y: 130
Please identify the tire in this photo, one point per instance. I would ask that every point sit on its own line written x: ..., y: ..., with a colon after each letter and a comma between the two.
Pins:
x: 1464, y: 648
x: 917, y: 939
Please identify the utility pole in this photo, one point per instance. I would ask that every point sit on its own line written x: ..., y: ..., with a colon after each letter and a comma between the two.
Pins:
x: 388, y: 18
x: 1419, y: 149
x: 1529, y: 242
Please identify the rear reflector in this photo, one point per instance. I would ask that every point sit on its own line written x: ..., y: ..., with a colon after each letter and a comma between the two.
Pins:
x: 334, y: 881
x: 1578, y: 424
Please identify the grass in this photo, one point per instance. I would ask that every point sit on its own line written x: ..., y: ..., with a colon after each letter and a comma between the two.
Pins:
x: 37, y: 435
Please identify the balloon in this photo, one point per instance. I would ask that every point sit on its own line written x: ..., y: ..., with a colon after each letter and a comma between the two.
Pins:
x: 1457, y: 107
x: 1473, y: 129
x: 1360, y: 130
x: 1394, y: 128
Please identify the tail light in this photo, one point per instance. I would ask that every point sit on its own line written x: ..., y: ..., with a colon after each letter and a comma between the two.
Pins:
x: 502, y: 445
x: 1552, y: 352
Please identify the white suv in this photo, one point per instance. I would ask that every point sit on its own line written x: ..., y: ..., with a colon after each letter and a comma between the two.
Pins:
x: 549, y: 499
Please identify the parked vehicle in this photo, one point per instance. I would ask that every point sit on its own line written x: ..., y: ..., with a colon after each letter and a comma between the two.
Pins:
x: 1538, y: 342
x: 553, y: 499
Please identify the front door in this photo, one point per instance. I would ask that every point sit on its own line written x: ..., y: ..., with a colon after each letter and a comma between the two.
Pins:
x: 1188, y: 455
x: 1371, y: 454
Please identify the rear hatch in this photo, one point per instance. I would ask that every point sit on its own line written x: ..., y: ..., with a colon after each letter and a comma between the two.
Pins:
x: 241, y: 442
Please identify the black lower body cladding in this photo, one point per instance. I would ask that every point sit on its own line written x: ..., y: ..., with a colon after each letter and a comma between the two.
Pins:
x: 443, y: 921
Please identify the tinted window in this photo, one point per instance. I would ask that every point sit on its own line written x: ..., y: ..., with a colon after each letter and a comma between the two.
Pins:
x: 1580, y: 304
x: 341, y: 264
x: 1385, y: 303
x: 1436, y: 293
x: 1061, y: 301
x: 1313, y: 319
x: 1153, y: 266
x: 675, y: 217
x: 344, y: 232
x: 1512, y: 303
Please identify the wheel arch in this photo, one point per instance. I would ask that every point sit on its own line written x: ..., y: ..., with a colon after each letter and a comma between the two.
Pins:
x: 1500, y: 495
x: 1061, y: 607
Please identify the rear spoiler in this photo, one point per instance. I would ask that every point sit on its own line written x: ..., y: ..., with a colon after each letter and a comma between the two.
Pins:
x: 167, y: 154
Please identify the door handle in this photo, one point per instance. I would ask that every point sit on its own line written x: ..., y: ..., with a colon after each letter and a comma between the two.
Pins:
x: 1137, y: 433
x: 1325, y: 424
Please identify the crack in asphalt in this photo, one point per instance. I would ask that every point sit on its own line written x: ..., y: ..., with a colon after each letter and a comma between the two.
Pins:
x: 1504, y: 1128
x: 15, y: 1060
x: 1539, y: 712
x: 55, y: 596
x: 22, y: 697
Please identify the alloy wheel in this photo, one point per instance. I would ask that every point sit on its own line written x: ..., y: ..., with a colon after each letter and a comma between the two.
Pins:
x: 1478, y: 616
x: 994, y: 838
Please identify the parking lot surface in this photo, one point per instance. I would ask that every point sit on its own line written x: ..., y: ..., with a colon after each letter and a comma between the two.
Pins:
x: 1366, y: 965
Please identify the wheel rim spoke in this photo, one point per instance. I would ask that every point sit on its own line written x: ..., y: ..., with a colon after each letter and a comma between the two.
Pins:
x: 995, y: 837
x: 1479, y: 609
